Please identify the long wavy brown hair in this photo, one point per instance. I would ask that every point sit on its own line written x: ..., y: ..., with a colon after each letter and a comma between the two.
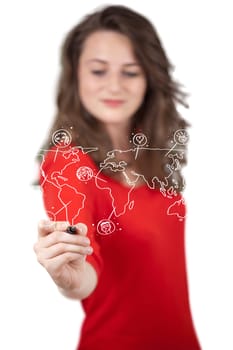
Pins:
x: 157, y: 117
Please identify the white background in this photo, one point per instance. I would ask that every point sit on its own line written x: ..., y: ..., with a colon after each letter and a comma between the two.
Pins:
x: 198, y: 41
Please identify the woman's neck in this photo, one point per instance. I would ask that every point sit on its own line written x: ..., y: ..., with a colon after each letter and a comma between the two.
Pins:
x: 119, y: 135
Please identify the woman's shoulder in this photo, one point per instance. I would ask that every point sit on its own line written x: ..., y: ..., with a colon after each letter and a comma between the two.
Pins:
x: 68, y: 161
x: 69, y: 154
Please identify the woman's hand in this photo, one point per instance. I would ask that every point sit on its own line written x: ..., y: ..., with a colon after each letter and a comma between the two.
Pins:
x: 63, y: 254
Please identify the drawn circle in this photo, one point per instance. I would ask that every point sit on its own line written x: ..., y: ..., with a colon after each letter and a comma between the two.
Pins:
x: 105, y: 227
x: 139, y: 139
x: 181, y: 136
x: 61, y: 138
x: 84, y: 173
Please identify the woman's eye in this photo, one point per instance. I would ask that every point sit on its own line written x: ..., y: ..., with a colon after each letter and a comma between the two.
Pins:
x: 127, y: 74
x: 131, y: 74
x: 98, y: 72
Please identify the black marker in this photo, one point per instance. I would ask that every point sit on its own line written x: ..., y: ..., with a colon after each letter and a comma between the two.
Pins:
x: 71, y: 229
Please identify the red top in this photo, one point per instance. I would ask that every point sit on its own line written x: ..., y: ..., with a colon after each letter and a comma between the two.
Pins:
x: 141, y: 301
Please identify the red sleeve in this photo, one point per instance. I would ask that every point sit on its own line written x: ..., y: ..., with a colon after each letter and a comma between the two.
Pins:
x: 68, y: 188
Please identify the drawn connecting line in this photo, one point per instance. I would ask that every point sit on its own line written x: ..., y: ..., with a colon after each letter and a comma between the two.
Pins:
x: 180, y: 137
x: 139, y: 140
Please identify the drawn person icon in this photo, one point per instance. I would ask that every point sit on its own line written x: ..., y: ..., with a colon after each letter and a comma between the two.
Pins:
x: 106, y: 227
x: 61, y: 138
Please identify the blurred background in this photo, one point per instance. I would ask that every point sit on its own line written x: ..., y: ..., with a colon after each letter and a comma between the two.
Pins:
x: 196, y: 36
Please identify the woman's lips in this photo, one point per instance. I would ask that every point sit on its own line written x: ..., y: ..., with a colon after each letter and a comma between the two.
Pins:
x: 113, y: 103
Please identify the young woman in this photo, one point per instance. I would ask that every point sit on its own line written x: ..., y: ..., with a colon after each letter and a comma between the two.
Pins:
x: 111, y: 171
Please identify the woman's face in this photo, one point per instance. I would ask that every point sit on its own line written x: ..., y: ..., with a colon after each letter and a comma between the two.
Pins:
x: 111, y: 81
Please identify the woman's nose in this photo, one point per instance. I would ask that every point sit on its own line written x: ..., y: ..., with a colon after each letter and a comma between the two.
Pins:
x: 114, y: 83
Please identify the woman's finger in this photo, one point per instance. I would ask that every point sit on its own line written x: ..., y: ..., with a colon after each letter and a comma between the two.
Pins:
x: 61, y: 248
x: 62, y: 237
x: 54, y: 266
x: 46, y: 227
